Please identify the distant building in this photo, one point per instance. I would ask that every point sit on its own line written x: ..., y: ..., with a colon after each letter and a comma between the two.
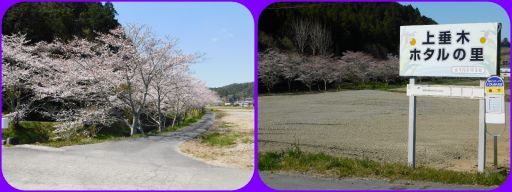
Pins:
x: 248, y: 102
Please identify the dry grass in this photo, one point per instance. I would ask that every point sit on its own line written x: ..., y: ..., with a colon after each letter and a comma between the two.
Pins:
x: 229, y: 143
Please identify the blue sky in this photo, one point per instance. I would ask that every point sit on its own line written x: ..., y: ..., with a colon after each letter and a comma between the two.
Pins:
x: 465, y: 12
x: 223, y: 32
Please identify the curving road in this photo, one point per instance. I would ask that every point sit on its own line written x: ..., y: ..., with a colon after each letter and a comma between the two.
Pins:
x: 142, y: 163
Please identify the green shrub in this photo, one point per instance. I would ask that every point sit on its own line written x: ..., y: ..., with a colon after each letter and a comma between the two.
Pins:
x: 30, y: 132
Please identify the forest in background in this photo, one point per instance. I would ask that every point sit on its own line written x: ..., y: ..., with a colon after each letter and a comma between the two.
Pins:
x: 368, y: 27
x: 49, y: 21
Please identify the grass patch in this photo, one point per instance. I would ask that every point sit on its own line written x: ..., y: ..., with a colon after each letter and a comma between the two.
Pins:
x: 188, y: 121
x: 41, y: 133
x: 81, y: 140
x: 374, y: 86
x: 219, y: 139
x: 248, y: 139
x: 30, y: 132
x: 320, y: 163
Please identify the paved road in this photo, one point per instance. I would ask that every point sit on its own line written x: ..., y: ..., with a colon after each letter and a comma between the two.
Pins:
x: 288, y: 182
x: 142, y: 163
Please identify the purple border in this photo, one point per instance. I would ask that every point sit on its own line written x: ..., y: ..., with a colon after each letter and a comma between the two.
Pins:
x: 256, y: 7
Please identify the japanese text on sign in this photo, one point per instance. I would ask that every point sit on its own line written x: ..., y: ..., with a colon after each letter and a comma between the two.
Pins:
x: 458, y: 50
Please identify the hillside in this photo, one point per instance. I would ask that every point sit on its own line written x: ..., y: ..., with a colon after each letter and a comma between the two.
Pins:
x: 236, y: 91
x: 49, y: 21
x: 369, y: 27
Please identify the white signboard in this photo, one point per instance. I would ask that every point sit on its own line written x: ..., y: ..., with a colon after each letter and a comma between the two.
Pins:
x: 454, y: 50
x: 452, y: 91
x: 495, y: 100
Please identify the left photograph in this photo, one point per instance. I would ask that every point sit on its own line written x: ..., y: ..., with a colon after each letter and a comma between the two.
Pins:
x: 120, y: 96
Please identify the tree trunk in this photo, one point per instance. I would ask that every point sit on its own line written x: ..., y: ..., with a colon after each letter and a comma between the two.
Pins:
x: 15, y: 126
x: 136, y: 125
x: 160, y: 116
x: 133, y: 127
x: 161, y: 122
x: 173, y: 121
x: 139, y: 125
x: 175, y: 118
x: 289, y: 86
x: 325, y: 85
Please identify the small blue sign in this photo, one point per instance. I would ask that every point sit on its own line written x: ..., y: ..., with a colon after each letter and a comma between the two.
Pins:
x: 494, y: 81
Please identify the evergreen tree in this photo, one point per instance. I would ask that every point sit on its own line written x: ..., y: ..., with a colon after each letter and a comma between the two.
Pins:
x: 49, y: 21
x: 368, y: 27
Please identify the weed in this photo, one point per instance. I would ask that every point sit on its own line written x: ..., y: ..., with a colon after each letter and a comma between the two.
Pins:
x: 219, y: 139
x: 320, y: 163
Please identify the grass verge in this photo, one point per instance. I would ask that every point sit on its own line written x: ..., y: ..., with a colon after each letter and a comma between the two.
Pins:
x: 87, y: 140
x: 219, y: 139
x: 188, y: 121
x: 323, y: 164
x: 40, y: 133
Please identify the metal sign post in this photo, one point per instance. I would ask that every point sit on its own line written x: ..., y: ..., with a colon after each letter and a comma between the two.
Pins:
x: 494, y: 107
x: 449, y: 91
x: 411, y: 157
x: 495, y: 140
x: 481, y: 132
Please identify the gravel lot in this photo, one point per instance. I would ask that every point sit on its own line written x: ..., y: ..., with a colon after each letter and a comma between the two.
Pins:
x: 373, y: 124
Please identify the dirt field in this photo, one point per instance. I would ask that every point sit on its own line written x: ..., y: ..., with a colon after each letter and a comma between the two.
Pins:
x: 239, y: 155
x: 373, y: 124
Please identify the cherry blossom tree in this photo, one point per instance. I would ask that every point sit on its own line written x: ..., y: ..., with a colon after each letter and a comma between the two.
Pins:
x: 189, y: 93
x: 127, y: 69
x: 268, y: 68
x: 288, y: 68
x: 143, y: 69
x: 357, y: 66
x: 327, y: 71
x: 20, y: 62
x: 166, y: 83
x: 385, y: 70
x: 308, y: 73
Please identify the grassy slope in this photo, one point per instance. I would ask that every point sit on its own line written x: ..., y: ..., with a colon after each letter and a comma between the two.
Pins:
x: 320, y: 163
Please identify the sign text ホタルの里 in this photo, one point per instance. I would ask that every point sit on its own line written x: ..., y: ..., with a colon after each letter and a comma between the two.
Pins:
x: 457, y: 50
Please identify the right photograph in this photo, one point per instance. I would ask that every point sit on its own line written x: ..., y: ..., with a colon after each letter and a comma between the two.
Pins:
x: 384, y: 96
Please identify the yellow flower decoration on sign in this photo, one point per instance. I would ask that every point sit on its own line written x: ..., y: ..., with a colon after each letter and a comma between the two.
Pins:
x: 483, y: 40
